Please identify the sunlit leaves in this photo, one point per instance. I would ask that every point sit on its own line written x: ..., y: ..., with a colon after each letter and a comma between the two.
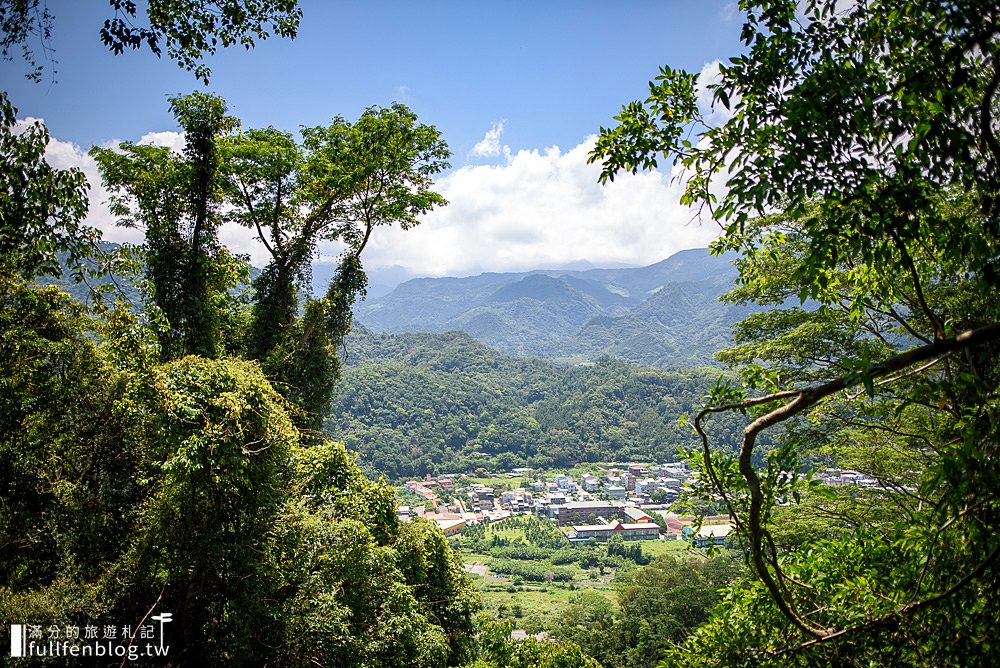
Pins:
x: 42, y: 208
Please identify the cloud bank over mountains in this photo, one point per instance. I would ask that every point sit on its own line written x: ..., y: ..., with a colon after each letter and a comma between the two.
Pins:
x: 543, y: 208
x: 524, y: 209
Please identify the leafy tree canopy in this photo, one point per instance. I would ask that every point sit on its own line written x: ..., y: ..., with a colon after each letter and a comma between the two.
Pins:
x: 188, y: 30
x: 856, y: 167
x: 42, y: 209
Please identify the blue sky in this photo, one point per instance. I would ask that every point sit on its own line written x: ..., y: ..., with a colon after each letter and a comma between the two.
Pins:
x: 544, y: 76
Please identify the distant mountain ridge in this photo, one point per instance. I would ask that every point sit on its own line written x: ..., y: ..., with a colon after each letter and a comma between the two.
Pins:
x: 667, y: 314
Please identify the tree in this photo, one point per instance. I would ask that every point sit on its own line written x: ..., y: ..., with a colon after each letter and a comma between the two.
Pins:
x: 176, y: 199
x: 340, y: 183
x: 659, y: 605
x: 203, y: 118
x: 498, y: 650
x: 64, y: 452
x: 869, y: 132
x: 42, y: 209
x: 189, y: 30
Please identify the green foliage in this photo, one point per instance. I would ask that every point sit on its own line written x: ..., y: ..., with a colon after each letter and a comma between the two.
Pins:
x: 65, y: 453
x: 867, y: 132
x: 42, y: 210
x: 219, y: 447
x: 21, y: 21
x: 658, y: 606
x: 887, y: 132
x: 304, y: 365
x: 339, y: 184
x: 189, y: 30
x: 529, y: 571
x: 420, y: 403
x: 192, y: 30
x: 378, y: 170
x: 499, y: 650
x: 864, y: 582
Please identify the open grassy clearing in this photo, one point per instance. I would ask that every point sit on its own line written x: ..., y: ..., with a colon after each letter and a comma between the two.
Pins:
x: 534, y: 608
x: 675, y: 548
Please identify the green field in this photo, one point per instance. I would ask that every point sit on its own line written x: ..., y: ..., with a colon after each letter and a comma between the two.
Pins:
x: 535, y: 605
x: 534, y: 608
x: 675, y: 548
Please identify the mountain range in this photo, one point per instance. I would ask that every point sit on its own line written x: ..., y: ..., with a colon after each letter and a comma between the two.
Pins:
x: 666, y: 315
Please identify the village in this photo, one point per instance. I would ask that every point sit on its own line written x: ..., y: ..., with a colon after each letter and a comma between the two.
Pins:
x: 634, y: 501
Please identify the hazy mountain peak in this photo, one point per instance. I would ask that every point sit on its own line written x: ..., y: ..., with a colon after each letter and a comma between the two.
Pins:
x: 667, y: 313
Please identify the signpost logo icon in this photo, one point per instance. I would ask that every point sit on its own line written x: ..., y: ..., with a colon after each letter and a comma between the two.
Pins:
x: 163, y: 618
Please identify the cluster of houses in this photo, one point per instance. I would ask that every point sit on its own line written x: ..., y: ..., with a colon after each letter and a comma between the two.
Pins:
x: 430, y: 489
x: 639, y: 482
x: 595, y: 508
x: 846, y: 477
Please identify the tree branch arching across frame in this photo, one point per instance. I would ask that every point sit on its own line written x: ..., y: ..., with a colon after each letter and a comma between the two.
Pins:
x: 794, y: 403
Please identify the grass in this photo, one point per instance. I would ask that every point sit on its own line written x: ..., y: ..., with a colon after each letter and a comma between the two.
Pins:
x: 473, y: 557
x: 675, y: 548
x: 541, y: 606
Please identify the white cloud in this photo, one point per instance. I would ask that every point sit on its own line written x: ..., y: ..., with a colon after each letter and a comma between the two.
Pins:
x: 489, y: 146
x: 542, y: 209
x: 172, y: 140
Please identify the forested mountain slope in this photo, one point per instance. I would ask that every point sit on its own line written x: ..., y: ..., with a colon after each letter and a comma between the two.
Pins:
x: 666, y: 315
x: 430, y: 403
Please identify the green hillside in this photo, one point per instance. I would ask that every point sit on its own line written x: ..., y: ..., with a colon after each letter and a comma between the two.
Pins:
x: 666, y: 315
x: 427, y: 403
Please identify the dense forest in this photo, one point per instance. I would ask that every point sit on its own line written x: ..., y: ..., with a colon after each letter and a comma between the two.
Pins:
x: 414, y: 404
